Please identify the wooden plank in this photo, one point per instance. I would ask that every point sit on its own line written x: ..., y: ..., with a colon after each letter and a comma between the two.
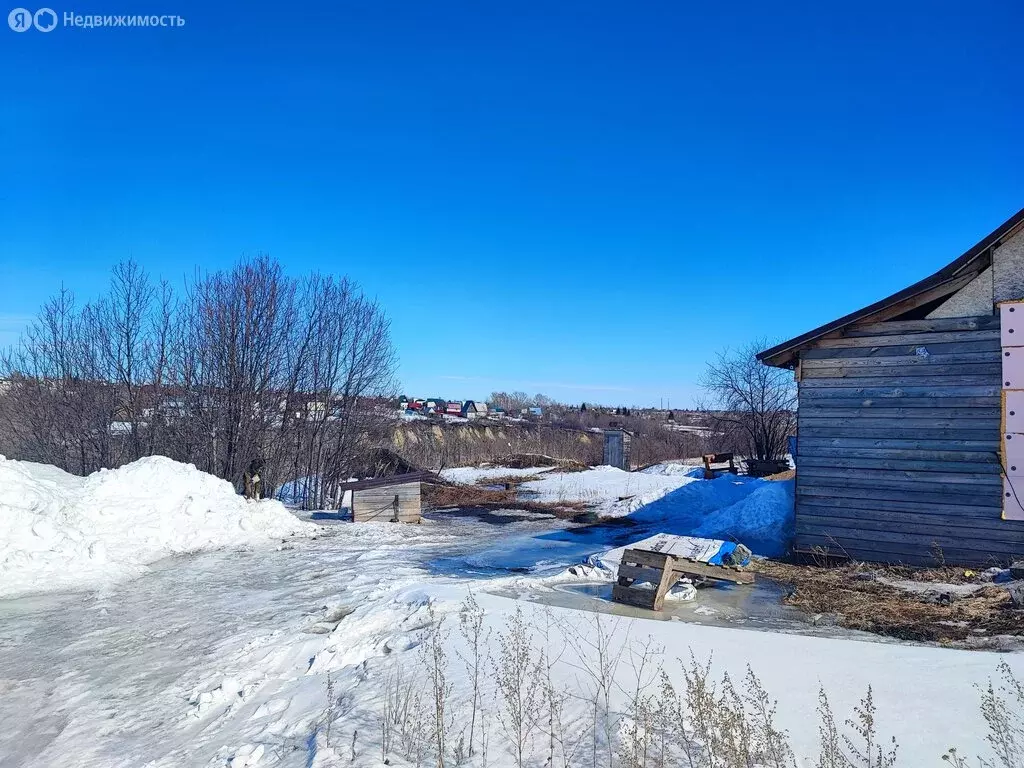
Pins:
x: 885, y: 391
x: 640, y: 598
x: 901, y: 555
x: 951, y: 380
x: 915, y: 339
x: 838, y: 505
x: 884, y: 454
x: 392, y: 480
x: 885, y: 403
x: 645, y: 557
x: 921, y: 536
x: 896, y: 361
x: 639, y: 573
x: 920, y: 546
x: 987, y: 445
x: 883, y: 477
x: 669, y: 576
x: 955, y: 348
x: 896, y: 424
x: 963, y: 527
x: 890, y: 371
x: 922, y: 433
x: 827, y: 410
x: 988, y: 497
x: 928, y: 325
x: 943, y: 289
x: 910, y: 553
x: 688, y: 567
x: 925, y: 465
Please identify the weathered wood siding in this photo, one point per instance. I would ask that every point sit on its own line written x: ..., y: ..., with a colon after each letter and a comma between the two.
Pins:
x: 378, y: 504
x: 898, y: 451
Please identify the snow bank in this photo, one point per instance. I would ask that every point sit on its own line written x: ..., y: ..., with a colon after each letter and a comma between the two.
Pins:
x: 612, y: 492
x: 757, y: 513
x: 474, y: 475
x: 59, y: 531
x: 675, y: 468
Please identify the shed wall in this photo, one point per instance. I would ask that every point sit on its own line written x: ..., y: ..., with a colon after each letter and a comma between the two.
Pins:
x: 377, y: 504
x: 899, y: 427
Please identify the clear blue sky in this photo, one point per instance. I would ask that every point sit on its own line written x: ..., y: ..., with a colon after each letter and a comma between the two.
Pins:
x: 585, y: 199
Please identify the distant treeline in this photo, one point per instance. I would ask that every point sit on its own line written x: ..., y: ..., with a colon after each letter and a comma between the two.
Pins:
x: 236, y: 369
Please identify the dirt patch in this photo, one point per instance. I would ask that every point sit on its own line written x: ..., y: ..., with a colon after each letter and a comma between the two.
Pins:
x: 789, y: 474
x: 861, y: 597
x: 474, y: 496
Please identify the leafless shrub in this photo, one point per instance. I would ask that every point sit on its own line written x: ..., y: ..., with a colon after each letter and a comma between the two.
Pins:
x: 246, y: 365
x: 1002, y: 707
x: 435, y: 661
x: 516, y: 679
x: 753, y: 401
x: 640, y: 732
x: 332, y: 704
x: 864, y: 748
x: 471, y: 625
x: 399, y: 694
x: 598, y: 656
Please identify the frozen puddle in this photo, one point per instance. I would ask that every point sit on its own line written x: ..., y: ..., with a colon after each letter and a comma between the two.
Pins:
x: 757, y: 607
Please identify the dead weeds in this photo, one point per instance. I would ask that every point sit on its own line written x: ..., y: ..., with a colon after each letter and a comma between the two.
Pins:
x: 441, y: 496
x: 858, y: 599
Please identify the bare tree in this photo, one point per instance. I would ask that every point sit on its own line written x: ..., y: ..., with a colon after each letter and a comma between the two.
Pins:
x: 754, y: 401
x: 248, y: 366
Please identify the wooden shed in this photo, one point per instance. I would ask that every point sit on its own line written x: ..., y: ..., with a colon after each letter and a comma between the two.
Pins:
x: 617, y: 448
x: 386, y: 499
x: 904, y: 451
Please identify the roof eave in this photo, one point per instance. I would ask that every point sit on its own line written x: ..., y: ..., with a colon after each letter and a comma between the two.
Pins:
x: 954, y: 275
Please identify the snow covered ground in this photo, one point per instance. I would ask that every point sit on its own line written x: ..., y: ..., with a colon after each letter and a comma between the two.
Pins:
x: 60, y: 531
x: 223, y: 657
x: 473, y: 475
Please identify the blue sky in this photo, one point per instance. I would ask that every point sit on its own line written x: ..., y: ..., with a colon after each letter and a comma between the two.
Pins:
x: 585, y: 199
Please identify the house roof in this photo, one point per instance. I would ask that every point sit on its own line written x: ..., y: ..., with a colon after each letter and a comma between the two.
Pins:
x: 948, y: 280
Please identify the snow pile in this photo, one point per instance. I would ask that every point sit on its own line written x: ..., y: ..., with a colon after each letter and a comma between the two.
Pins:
x: 675, y: 468
x: 712, y: 551
x: 754, y: 512
x: 59, y: 531
x: 763, y: 520
x: 612, y: 492
x: 474, y: 475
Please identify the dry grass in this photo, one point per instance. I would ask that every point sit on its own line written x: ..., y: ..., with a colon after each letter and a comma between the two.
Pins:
x: 528, y: 460
x: 440, y: 496
x: 859, y: 600
x: 789, y: 474
x: 509, y: 480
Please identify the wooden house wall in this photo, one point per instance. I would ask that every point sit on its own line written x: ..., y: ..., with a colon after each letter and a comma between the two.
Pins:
x: 377, y: 504
x: 899, y: 434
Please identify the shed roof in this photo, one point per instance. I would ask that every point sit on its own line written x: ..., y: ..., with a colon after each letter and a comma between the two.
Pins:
x: 948, y: 280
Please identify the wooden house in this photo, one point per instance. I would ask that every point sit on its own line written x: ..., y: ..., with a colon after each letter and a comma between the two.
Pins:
x: 472, y: 409
x: 907, y: 413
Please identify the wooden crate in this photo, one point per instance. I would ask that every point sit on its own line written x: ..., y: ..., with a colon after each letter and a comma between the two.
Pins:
x: 661, y: 571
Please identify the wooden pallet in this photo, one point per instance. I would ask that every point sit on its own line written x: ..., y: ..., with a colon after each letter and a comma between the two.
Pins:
x: 661, y: 571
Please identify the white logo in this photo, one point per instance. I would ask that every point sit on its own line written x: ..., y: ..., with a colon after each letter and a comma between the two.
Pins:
x: 20, y: 19
x: 45, y: 19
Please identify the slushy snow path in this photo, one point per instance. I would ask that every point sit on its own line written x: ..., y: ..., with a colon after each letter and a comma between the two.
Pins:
x: 221, y: 658
x: 204, y: 654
